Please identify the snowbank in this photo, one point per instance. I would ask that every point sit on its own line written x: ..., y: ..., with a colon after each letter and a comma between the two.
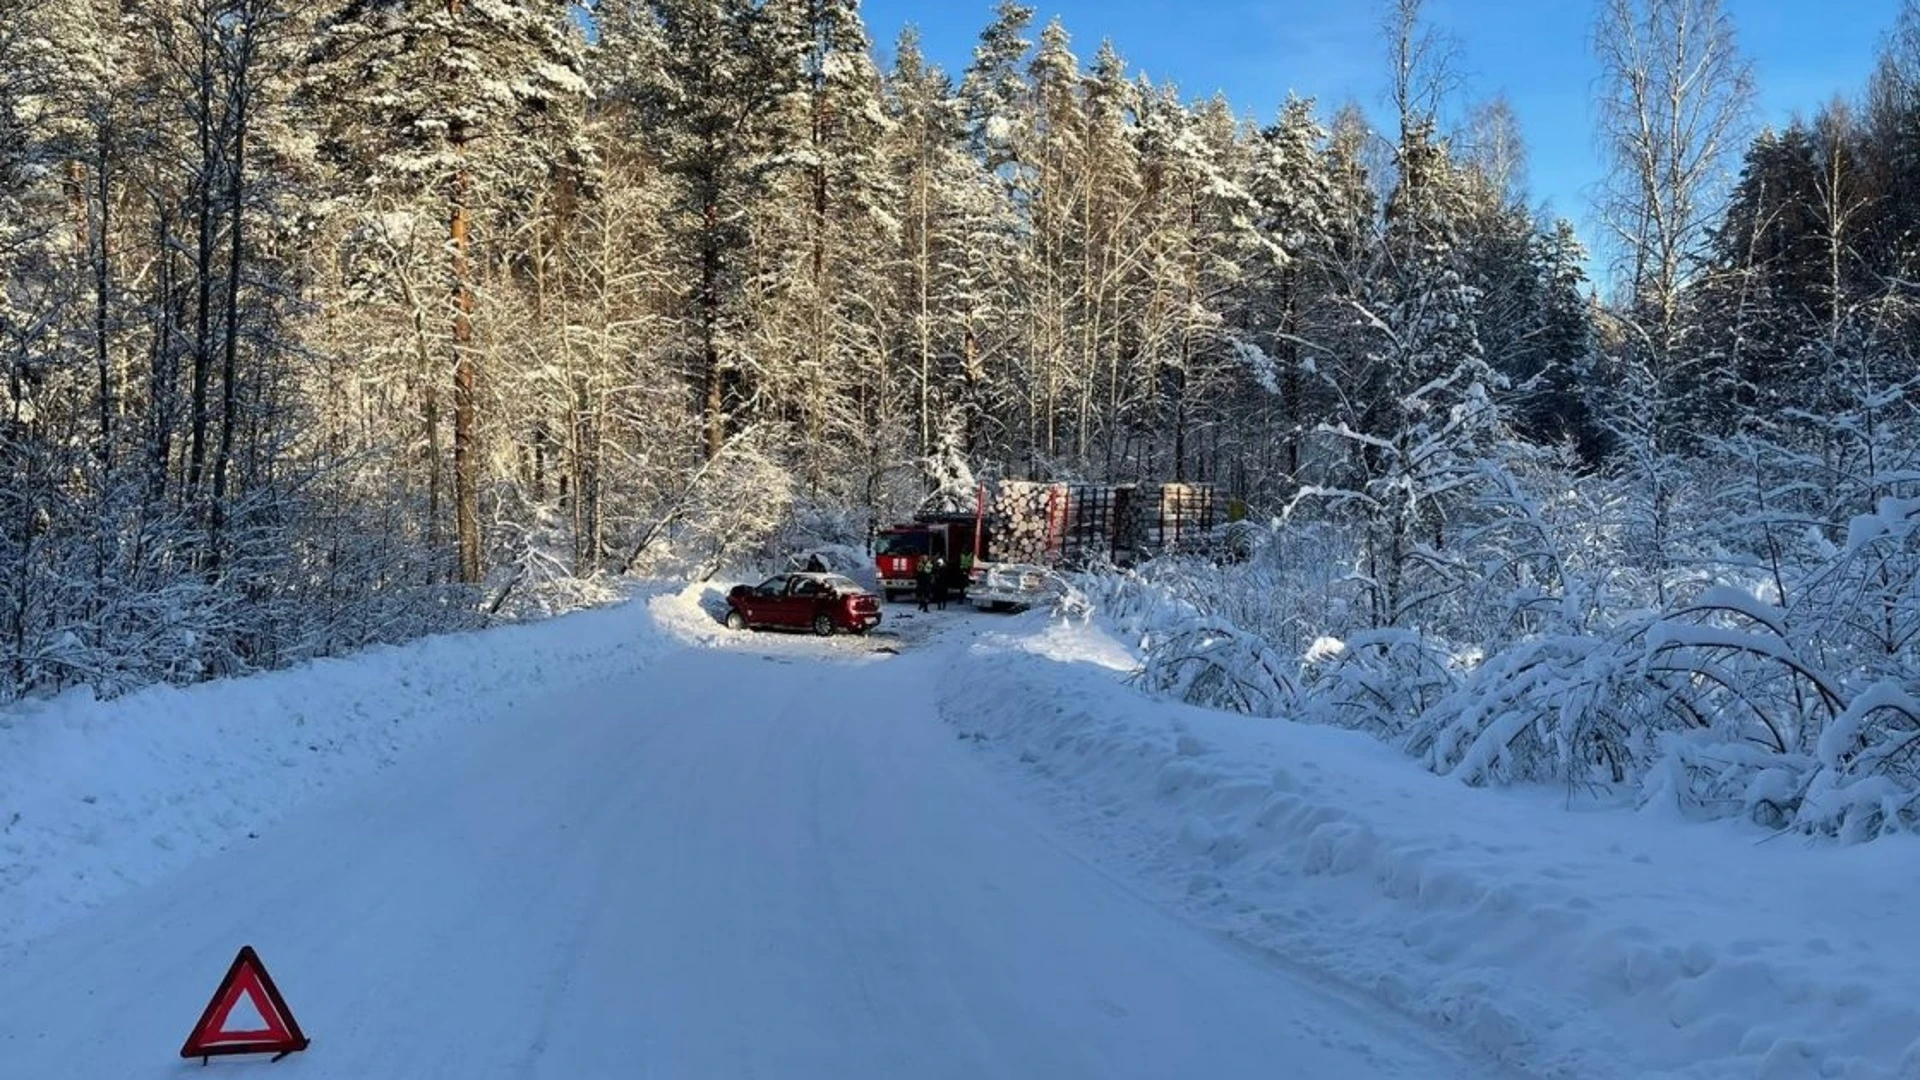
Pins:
x: 99, y: 797
x: 1567, y: 939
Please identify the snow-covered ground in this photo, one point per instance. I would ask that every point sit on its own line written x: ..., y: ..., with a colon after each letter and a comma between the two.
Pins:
x: 1569, y: 942
x: 767, y: 858
x: 97, y: 798
x: 631, y: 843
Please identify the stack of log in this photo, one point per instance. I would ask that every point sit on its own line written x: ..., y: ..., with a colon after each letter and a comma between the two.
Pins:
x: 1026, y: 519
x: 1082, y: 524
x: 1170, y: 517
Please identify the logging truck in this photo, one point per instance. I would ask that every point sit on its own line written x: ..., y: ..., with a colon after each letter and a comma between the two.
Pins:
x: 1008, y: 551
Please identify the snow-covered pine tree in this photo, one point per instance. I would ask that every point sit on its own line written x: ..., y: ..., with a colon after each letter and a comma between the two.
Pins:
x: 1497, y: 236
x: 1292, y: 194
x: 993, y: 92
x: 1049, y: 192
x: 712, y: 83
x: 951, y: 485
x: 953, y: 228
x: 1199, y: 239
x: 1555, y: 400
x: 993, y: 104
x: 1432, y: 417
x: 451, y: 113
x: 823, y: 346
x: 1411, y: 387
x: 1113, y: 210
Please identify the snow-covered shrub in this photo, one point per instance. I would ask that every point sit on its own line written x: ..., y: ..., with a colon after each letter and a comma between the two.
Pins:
x: 733, y: 508
x: 1218, y: 665
x: 1555, y: 706
x: 1867, y: 602
x: 1778, y: 681
x: 813, y: 525
x: 1702, y: 774
x: 1547, y: 550
x: 1800, y: 716
x: 1284, y: 587
x: 1378, y: 681
x: 1133, y: 604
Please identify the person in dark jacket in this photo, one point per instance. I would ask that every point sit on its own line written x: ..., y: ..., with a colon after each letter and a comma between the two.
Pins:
x: 814, y: 565
x: 940, y: 583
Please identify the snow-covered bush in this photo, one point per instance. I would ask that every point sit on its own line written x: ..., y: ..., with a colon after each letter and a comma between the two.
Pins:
x: 1555, y: 706
x: 1377, y: 681
x: 732, y: 509
x: 1218, y: 665
x: 836, y: 534
x: 1780, y: 681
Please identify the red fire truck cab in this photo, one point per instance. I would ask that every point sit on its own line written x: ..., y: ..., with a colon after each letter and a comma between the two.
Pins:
x: 899, y: 550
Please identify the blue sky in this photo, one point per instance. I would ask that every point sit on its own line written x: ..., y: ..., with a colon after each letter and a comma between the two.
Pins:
x: 1255, y: 51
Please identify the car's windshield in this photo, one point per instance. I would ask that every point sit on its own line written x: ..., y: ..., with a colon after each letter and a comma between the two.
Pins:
x: 904, y: 543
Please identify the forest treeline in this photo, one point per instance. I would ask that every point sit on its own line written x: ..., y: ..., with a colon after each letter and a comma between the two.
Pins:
x: 333, y: 323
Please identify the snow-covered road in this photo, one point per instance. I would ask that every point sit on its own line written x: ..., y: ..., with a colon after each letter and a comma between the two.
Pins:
x: 768, y: 859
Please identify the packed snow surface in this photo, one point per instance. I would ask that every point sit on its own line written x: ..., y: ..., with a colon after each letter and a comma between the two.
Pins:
x: 631, y: 843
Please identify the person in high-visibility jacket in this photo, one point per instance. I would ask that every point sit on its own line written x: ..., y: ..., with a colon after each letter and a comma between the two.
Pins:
x: 923, y: 582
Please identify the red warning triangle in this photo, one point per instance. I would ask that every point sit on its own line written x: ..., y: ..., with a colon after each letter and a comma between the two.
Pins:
x: 246, y: 1016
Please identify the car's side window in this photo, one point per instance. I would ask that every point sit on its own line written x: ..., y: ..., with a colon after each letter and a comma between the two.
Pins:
x: 807, y: 587
x: 776, y: 587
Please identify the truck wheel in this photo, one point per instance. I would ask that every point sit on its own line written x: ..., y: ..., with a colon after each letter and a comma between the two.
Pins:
x: 736, y: 621
x: 823, y: 626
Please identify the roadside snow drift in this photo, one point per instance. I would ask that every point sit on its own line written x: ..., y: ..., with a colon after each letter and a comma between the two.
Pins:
x: 99, y: 797
x: 1576, y: 943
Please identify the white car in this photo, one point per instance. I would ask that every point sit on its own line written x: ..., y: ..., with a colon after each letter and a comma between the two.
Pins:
x: 1013, y: 586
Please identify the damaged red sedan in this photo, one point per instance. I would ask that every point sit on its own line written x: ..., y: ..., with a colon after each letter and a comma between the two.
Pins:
x: 823, y: 603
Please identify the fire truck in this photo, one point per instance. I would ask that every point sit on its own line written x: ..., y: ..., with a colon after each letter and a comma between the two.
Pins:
x: 956, y: 540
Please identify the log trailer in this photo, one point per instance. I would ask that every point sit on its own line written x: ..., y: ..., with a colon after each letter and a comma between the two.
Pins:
x: 1008, y: 551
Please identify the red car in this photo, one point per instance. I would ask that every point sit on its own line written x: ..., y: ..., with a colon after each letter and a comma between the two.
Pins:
x: 822, y: 603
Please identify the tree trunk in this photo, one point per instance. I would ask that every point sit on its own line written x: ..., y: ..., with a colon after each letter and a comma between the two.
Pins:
x: 203, y: 214
x: 230, y: 360
x: 1292, y: 386
x: 466, y: 457
x: 466, y: 448
x: 162, y: 366
x: 713, y: 385
x: 100, y: 258
x: 923, y: 320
